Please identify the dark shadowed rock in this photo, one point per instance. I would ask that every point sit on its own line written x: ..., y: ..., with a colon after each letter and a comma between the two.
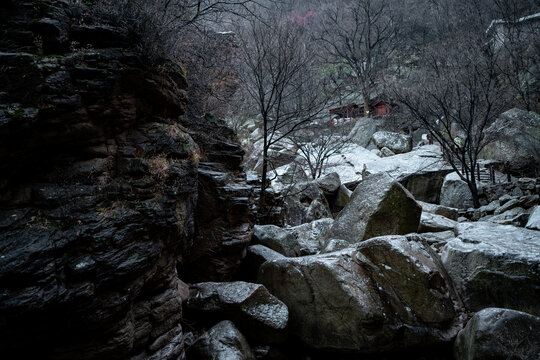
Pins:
x: 250, y: 306
x: 385, y: 293
x: 495, y: 333
x: 221, y: 342
x: 99, y: 191
x: 495, y: 266
x: 255, y: 257
x: 304, y: 203
x: 378, y: 206
x: 514, y: 140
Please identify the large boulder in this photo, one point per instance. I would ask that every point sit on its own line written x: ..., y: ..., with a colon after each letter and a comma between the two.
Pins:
x: 495, y: 333
x: 513, y: 140
x: 378, y: 206
x: 534, y: 219
x: 295, y: 241
x: 385, y: 293
x: 495, y: 266
x: 397, y: 143
x: 250, y: 306
x: 421, y: 171
x: 221, y: 342
x: 363, y: 130
x: 455, y: 192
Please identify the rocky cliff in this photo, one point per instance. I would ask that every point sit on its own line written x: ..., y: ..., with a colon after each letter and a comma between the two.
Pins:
x: 107, y: 192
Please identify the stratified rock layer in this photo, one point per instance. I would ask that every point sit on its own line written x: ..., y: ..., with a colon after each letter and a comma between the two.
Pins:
x: 100, y: 184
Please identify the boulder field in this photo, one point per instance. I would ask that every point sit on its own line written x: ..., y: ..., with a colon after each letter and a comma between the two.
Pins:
x: 126, y: 226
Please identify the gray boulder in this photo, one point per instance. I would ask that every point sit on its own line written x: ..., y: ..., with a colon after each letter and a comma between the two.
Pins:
x: 295, y: 241
x: 495, y: 333
x: 515, y: 135
x: 507, y: 206
x: 363, y: 130
x: 495, y: 266
x: 421, y: 171
x: 378, y: 206
x: 455, y: 192
x: 329, y: 183
x: 534, y: 219
x: 383, y: 294
x: 488, y: 209
x: 448, y: 212
x: 261, y: 315
x: 221, y: 342
x: 395, y: 142
x: 434, y: 223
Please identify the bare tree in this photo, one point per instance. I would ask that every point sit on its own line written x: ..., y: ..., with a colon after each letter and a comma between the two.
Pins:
x: 360, y: 35
x: 456, y: 95
x: 161, y: 25
x: 277, y: 73
x: 317, y: 144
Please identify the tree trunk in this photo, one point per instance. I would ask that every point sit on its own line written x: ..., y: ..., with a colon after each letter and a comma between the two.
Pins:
x: 366, y: 103
x: 264, y: 176
x: 474, y: 192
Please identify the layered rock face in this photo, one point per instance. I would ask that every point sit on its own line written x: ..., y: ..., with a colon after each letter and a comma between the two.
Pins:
x: 102, y: 192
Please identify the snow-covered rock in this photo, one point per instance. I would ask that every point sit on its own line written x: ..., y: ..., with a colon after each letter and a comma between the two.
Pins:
x: 455, y: 192
x: 397, y: 143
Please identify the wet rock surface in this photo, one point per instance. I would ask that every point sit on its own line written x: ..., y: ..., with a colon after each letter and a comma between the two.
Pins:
x: 378, y: 206
x: 495, y: 266
x: 259, y: 314
x: 100, y: 184
x: 383, y: 294
x: 432, y: 223
x: 495, y: 333
x: 221, y: 342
